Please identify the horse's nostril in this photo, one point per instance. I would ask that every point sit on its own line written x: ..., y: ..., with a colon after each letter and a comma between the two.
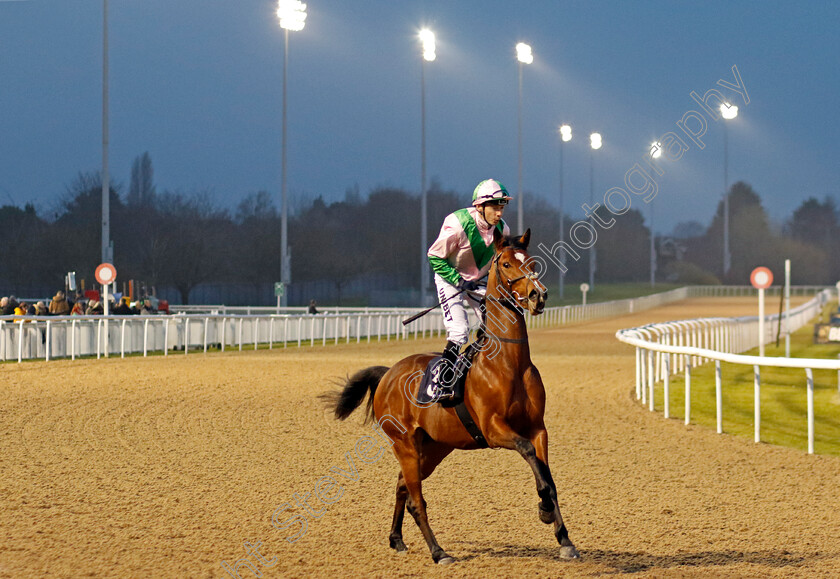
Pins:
x: 533, y: 295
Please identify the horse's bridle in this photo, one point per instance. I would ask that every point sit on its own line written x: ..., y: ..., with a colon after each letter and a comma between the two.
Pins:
x: 532, y: 275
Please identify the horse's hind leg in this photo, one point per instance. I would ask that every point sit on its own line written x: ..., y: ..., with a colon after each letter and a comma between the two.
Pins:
x: 396, y: 539
x: 432, y: 454
x: 407, y: 454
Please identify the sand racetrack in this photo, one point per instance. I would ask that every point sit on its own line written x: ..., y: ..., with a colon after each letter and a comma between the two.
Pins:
x: 162, y: 467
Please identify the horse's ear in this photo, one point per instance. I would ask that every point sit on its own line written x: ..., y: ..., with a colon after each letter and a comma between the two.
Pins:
x: 525, y: 239
x: 498, y: 239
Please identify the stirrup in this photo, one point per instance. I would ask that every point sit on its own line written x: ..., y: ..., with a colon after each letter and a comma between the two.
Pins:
x: 444, y: 392
x: 439, y: 391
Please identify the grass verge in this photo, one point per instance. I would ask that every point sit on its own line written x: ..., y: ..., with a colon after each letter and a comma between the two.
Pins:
x: 783, y: 397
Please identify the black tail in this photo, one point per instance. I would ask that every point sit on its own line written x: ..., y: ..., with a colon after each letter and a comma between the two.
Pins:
x: 354, y: 391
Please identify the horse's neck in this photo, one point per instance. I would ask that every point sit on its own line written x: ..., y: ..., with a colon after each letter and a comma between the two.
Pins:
x: 505, y: 325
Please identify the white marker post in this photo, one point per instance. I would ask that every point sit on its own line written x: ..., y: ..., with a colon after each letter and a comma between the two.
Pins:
x: 761, y: 278
x: 584, y: 287
x: 105, y: 274
x: 787, y: 308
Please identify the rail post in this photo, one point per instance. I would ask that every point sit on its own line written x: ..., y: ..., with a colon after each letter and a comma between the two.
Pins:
x: 122, y: 339
x: 666, y: 386
x: 166, y: 337
x: 809, y: 373
x: 687, y: 390
x: 718, y: 398
x: 757, y: 402
x: 651, y: 377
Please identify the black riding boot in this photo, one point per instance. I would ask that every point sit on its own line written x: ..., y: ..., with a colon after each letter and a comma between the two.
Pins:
x: 446, y: 377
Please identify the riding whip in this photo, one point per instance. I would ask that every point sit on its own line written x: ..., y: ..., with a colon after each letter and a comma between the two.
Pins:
x: 427, y: 310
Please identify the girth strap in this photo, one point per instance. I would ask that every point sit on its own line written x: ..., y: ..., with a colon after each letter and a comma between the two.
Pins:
x: 468, y: 422
x: 512, y: 340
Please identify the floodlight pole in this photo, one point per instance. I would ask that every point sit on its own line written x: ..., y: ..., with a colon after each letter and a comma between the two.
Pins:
x: 728, y: 112
x: 652, y: 249
x: 727, y: 257
x: 565, y: 135
x: 591, y: 201
x: 292, y: 14
x: 284, y: 205
x: 424, y: 225
x: 655, y: 152
x: 520, y: 219
x: 525, y: 56
x: 106, y: 201
x: 562, y: 232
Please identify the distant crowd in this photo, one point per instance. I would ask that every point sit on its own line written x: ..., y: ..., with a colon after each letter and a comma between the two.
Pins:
x: 80, y: 305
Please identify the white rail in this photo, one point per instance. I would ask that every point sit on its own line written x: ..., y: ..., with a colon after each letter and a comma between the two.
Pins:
x: 77, y: 336
x: 249, y: 327
x: 672, y: 347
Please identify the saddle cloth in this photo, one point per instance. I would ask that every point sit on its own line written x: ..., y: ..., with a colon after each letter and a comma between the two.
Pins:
x: 427, y: 393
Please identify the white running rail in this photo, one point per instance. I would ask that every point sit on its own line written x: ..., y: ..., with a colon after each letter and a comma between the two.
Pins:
x: 672, y: 347
x: 77, y: 336
x: 197, y: 328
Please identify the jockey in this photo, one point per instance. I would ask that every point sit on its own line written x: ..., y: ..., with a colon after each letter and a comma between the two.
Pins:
x: 460, y: 257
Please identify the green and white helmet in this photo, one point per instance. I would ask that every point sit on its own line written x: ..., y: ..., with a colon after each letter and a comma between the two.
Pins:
x: 490, y: 190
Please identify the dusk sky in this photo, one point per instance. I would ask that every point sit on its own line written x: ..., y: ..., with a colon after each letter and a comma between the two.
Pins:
x: 198, y: 85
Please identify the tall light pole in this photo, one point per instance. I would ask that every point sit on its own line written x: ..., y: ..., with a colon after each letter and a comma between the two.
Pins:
x: 427, y: 38
x: 106, y: 180
x: 655, y: 153
x: 565, y: 137
x: 728, y: 112
x: 524, y: 56
x: 594, y: 144
x: 292, y: 15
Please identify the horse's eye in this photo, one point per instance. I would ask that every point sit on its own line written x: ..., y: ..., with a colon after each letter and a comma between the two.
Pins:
x: 505, y: 264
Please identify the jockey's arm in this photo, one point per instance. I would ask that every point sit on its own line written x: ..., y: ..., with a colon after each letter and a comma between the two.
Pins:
x: 443, y: 268
x: 445, y: 246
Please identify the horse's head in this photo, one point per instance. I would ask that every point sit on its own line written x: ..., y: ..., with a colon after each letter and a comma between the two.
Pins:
x: 511, y: 276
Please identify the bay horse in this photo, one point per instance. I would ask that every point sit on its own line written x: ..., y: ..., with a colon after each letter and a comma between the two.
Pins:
x: 503, y: 392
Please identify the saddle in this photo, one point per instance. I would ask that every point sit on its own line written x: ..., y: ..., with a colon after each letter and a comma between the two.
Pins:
x: 427, y: 394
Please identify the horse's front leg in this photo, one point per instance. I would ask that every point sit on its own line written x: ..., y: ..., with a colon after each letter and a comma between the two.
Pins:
x: 500, y: 434
x: 549, y: 506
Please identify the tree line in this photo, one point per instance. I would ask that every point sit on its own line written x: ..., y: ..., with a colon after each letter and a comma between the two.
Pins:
x: 182, y: 240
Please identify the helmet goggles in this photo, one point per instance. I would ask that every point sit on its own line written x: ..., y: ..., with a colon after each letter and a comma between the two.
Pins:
x: 492, y: 192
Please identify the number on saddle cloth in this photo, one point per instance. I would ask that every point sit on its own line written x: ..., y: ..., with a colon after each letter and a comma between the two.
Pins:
x: 429, y: 387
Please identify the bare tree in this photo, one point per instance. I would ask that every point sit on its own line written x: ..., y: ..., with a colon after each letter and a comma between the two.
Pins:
x: 142, y: 188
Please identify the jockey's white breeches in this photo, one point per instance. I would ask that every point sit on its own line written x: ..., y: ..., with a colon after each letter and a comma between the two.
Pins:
x: 455, y: 318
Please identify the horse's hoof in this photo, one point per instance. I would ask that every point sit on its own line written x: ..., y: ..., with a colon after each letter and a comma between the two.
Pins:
x: 398, y: 545
x: 546, y: 517
x: 569, y: 552
x: 446, y: 560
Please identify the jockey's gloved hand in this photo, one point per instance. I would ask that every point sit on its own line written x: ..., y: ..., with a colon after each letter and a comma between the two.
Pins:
x: 465, y: 285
